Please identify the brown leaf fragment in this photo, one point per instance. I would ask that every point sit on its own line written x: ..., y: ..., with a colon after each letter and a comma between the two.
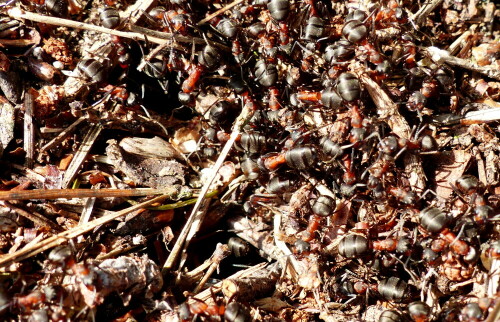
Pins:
x: 492, y: 168
x: 150, y: 172
x: 6, y: 123
x: 11, y: 85
x: 271, y: 304
x: 449, y: 167
x: 128, y: 276
x: 480, y: 133
x: 250, y: 287
x: 150, y: 148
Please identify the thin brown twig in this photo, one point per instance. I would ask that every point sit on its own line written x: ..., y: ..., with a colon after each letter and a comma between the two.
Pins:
x: 134, y: 12
x: 17, y: 13
x: 61, y: 136
x: 218, y: 12
x: 29, y: 129
x: 33, y: 216
x: 424, y: 11
x: 81, y: 154
x: 441, y: 56
x: 459, y: 42
x: 78, y: 193
x: 194, y: 228
x: 221, y: 252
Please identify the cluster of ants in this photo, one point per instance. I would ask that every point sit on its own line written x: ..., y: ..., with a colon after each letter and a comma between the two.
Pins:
x: 295, y: 65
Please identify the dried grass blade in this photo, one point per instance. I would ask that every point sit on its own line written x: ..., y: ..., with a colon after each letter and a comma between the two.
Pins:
x: 78, y: 193
x: 29, y: 129
x: 242, y: 119
x: 81, y: 154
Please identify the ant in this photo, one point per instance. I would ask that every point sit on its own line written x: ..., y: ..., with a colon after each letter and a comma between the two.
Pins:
x: 232, y: 311
x: 469, y: 185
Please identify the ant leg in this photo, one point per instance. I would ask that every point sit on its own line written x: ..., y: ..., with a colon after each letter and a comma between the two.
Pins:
x: 363, y: 175
x: 400, y: 152
x: 427, y: 191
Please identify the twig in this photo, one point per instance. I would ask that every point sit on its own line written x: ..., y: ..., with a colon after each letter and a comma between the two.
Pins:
x: 242, y: 119
x: 180, y: 38
x: 30, y: 174
x: 495, y: 313
x: 78, y: 193
x: 206, y: 295
x: 61, y: 136
x: 494, y: 279
x: 194, y: 228
x: 81, y: 154
x: 18, y: 13
x: 441, y: 56
x: 29, y: 129
x: 87, y: 210
x: 253, y: 286
x: 218, y: 12
x: 135, y: 11
x: 458, y: 43
x: 282, y: 245
x: 221, y: 252
x: 422, y: 13
x: 473, y: 117
x: 322, y: 189
x: 34, y: 217
x: 27, y: 252
x: 151, y: 55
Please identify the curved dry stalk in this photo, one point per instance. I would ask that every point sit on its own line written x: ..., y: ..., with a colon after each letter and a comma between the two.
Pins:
x: 424, y: 11
x: 79, y: 193
x: 197, y: 216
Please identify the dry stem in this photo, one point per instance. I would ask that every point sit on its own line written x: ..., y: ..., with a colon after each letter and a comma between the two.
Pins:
x: 34, y: 217
x: 81, y: 154
x: 19, y: 14
x: 218, y: 12
x: 79, y: 193
x: 242, y: 119
x: 61, y: 136
x: 29, y: 129
x: 420, y: 15
x: 442, y: 56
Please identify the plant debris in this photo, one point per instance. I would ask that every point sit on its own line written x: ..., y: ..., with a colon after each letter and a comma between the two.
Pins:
x: 276, y: 160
